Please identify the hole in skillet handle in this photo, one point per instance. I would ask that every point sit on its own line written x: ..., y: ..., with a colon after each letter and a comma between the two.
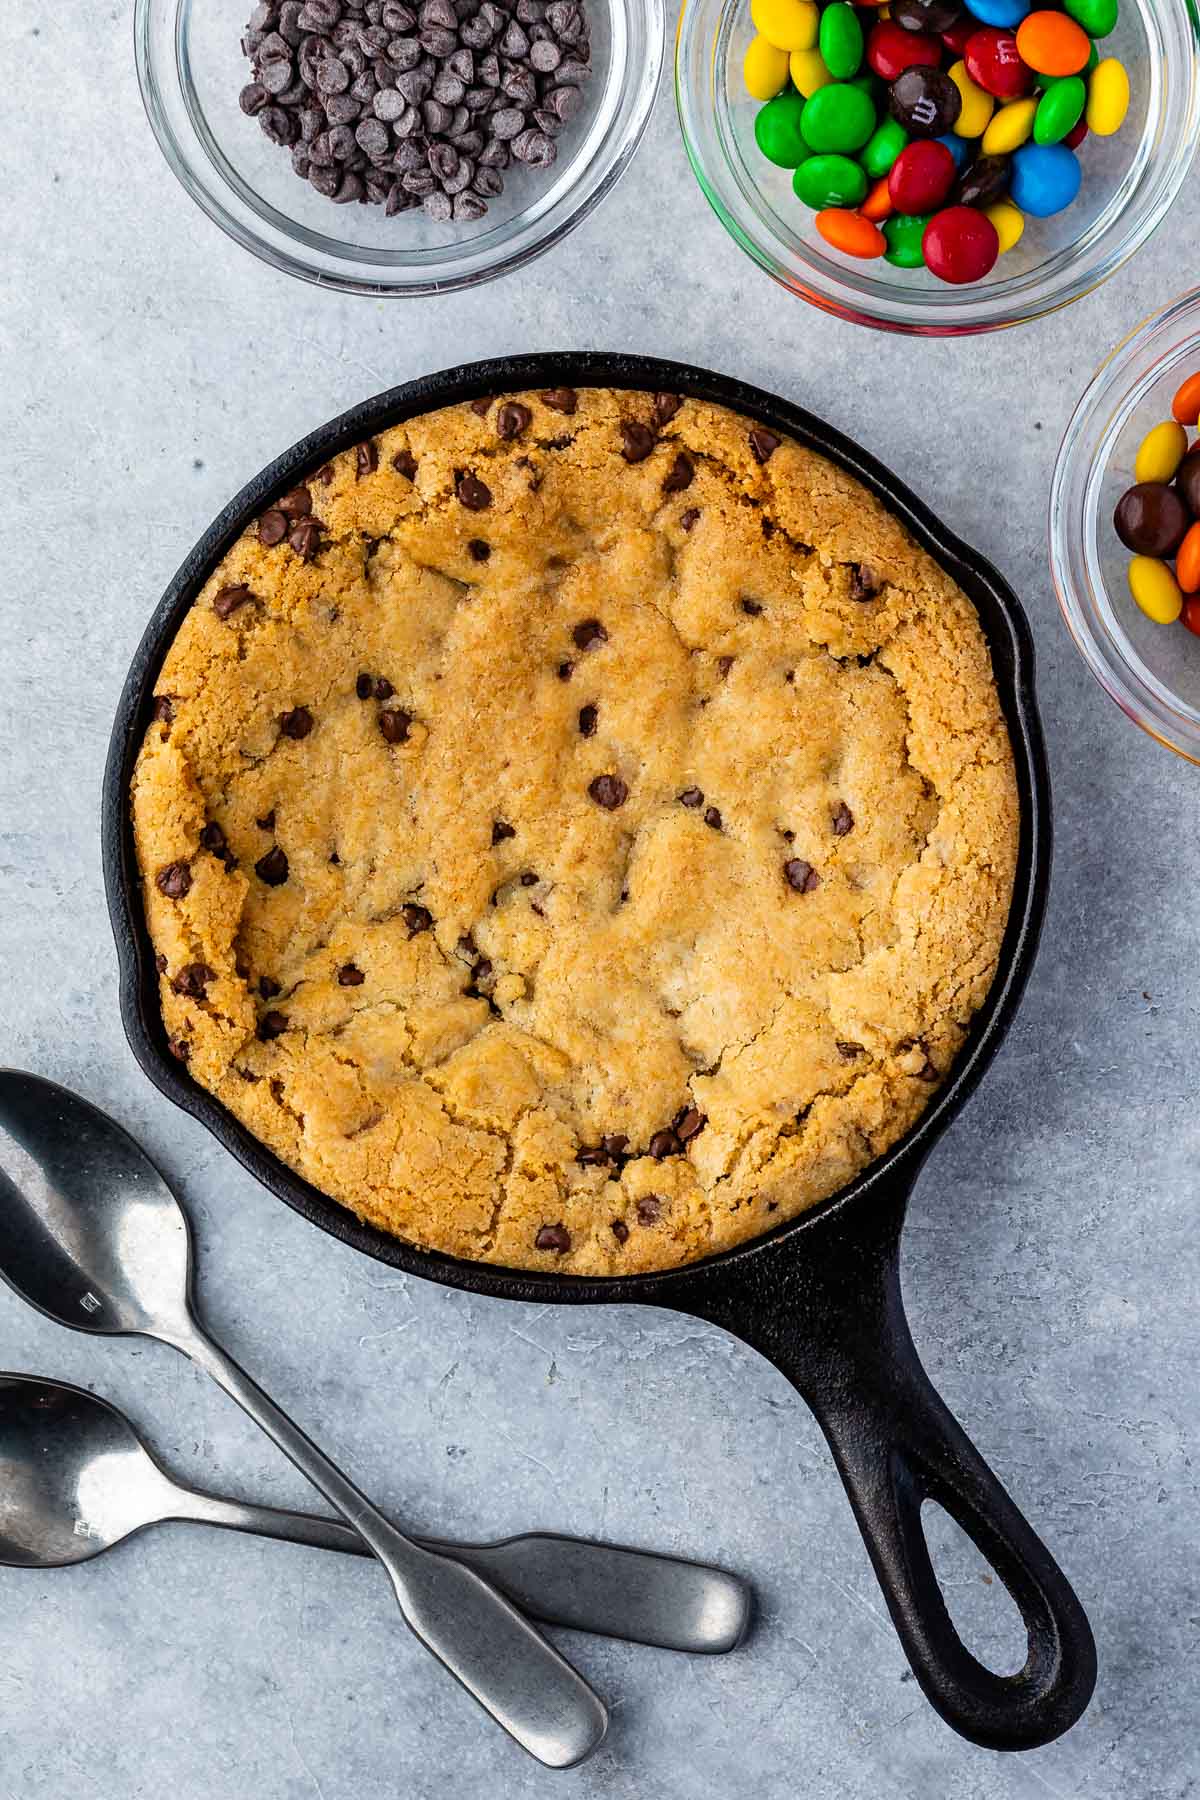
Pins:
x: 826, y: 1309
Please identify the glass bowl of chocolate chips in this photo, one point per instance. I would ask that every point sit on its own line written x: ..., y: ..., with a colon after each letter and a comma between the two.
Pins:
x: 398, y: 146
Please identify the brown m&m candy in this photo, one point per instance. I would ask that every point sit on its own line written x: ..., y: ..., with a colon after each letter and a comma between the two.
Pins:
x: 1151, y: 519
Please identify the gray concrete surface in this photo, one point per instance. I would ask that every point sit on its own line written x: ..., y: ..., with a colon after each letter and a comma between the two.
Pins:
x: 1051, y: 1263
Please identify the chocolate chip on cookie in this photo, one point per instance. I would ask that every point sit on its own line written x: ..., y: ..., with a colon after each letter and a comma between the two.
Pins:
x: 474, y: 494
x: 272, y: 528
x: 687, y: 1122
x: 179, y: 1048
x: 268, y: 987
x: 175, y: 881
x: 164, y: 709
x: 193, y: 979
x: 297, y: 504
x: 764, y: 443
x: 382, y: 689
x: 297, y: 723
x: 417, y: 918
x: 588, y: 716
x: 350, y: 975
x: 230, y: 598
x: 267, y: 822
x: 478, y: 550
x: 364, y: 687
x: 501, y: 829
x: 589, y: 634
x: 692, y: 796
x: 553, y: 1237
x: 665, y: 408
x: 752, y: 607
x: 608, y: 791
x: 664, y: 1144
x: 272, y: 868
x: 679, y: 475
x: 688, y: 519
x: 272, y: 1025
x: 405, y: 463
x: 848, y: 1051
x: 366, y: 459
x: 649, y: 1209
x: 843, y: 819
x: 800, y: 875
x: 394, y: 724
x: 305, y: 539
x: 620, y: 1231
x: 482, y: 406
x: 529, y: 878
x: 511, y: 420
x: 713, y: 819
x: 565, y: 670
x: 637, y: 440
x: 560, y: 399
x: 864, y: 583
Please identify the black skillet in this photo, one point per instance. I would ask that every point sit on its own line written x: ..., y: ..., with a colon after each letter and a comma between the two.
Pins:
x: 820, y: 1296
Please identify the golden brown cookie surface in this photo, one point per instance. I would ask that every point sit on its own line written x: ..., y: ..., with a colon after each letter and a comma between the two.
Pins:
x: 576, y: 834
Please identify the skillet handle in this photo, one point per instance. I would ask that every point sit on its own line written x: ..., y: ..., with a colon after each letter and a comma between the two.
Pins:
x: 848, y: 1349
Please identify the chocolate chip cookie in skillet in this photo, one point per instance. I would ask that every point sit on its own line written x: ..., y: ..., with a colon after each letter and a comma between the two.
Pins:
x: 576, y: 829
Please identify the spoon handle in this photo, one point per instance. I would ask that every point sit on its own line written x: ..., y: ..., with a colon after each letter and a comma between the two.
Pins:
x: 478, y: 1635
x: 579, y: 1583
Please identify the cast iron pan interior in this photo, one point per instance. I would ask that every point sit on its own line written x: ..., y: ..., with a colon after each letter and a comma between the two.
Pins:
x: 820, y: 1296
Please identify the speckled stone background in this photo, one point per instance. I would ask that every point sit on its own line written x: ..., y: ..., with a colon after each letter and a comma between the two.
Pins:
x: 1051, y: 1263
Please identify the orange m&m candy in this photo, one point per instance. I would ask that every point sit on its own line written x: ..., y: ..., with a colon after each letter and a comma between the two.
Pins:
x: 878, y: 203
x: 1053, y: 44
x: 1187, y: 562
x: 850, y: 233
x: 1186, y: 404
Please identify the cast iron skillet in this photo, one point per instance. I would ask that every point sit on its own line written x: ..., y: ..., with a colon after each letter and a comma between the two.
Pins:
x: 820, y: 1296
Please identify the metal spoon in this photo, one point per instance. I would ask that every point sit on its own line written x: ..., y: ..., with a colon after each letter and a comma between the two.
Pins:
x: 91, y: 1235
x: 76, y: 1480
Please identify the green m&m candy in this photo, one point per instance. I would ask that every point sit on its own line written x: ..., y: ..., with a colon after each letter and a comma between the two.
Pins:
x: 839, y: 117
x: 823, y: 181
x: 1098, y: 17
x: 840, y: 40
x: 1059, y: 110
x: 904, y: 232
x: 883, y: 147
x: 777, y: 130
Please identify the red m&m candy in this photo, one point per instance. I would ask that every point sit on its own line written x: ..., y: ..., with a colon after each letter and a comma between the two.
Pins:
x: 921, y: 177
x: 955, y: 38
x: 960, y: 244
x: 890, y: 50
x: 995, y: 64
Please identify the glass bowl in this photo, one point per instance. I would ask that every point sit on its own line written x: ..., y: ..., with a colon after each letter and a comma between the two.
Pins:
x: 1130, y: 181
x: 191, y: 70
x: 1151, y: 671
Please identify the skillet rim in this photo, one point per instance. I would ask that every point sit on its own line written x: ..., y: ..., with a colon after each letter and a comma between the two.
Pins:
x: 1010, y: 641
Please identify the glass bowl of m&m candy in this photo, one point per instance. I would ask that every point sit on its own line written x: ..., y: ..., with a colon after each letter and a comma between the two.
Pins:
x: 1125, y: 526
x: 939, y: 166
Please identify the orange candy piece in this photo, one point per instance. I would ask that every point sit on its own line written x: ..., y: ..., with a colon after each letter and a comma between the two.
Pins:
x: 1187, y: 562
x: 1186, y: 404
x: 850, y: 233
x: 878, y: 203
x: 1053, y: 44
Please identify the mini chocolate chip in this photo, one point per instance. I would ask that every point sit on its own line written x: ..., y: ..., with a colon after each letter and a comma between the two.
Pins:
x: 394, y: 724
x: 763, y: 443
x: 179, y: 1047
x: 501, y: 829
x: 589, y: 634
x: 529, y: 879
x: 565, y: 670
x: 724, y: 664
x: 271, y: 1025
x: 272, y: 528
x: 679, y: 475
x: 620, y: 1231
x: 474, y: 494
x: 272, y: 868
x: 587, y: 720
x: 364, y: 687
x: 847, y: 1050
x: 164, y: 709
x: 665, y: 407
x: 160, y: 963
x: 478, y: 551
x: 213, y: 838
x: 383, y: 689
x: 649, y: 1209
x: 193, y: 979
x: 688, y: 519
x: 482, y: 407
x: 753, y: 607
x: 843, y: 819
x: 712, y: 818
x: 637, y: 440
x: 663, y: 1143
x: 692, y: 796
x: 553, y: 1237
x: 561, y: 399
x: 481, y: 973
x: 592, y: 1156
x: 267, y: 822
x: 864, y: 583
x: 174, y: 881
x: 268, y: 987
x: 350, y: 975
x: 616, y: 1143
x: 608, y: 791
x: 688, y: 1122
x: 305, y: 539
x: 405, y: 463
x: 230, y: 598
x: 297, y: 504
x: 366, y: 458
x: 800, y: 875
x: 512, y: 419
x: 417, y: 918
x: 297, y: 723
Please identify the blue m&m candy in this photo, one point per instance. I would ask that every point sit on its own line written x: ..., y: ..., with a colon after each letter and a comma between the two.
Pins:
x: 1045, y: 179
x: 1005, y: 13
x: 958, y: 147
